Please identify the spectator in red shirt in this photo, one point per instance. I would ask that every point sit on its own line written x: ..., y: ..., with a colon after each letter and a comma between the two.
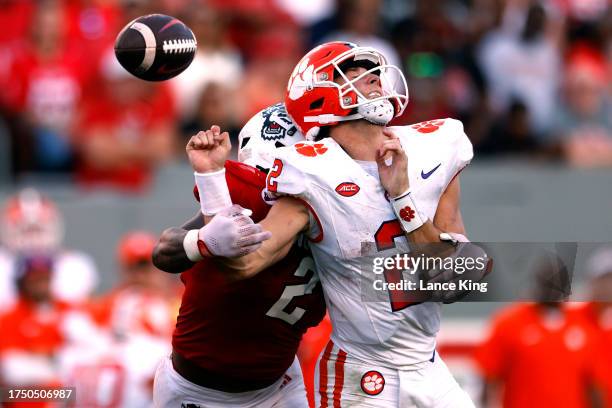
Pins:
x: 45, y: 87
x: 135, y: 322
x: 598, y: 315
x: 274, y: 54
x: 583, y: 120
x: 93, y: 25
x: 541, y: 353
x: 126, y: 130
x: 32, y: 330
x: 145, y: 301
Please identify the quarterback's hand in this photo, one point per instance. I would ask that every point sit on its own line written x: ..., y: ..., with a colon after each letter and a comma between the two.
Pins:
x: 461, y: 276
x: 393, y: 177
x: 208, y: 150
x: 230, y: 233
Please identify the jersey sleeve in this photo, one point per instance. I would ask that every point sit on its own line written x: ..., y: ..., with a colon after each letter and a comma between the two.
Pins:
x: 464, y: 151
x: 245, y: 184
x: 285, y: 178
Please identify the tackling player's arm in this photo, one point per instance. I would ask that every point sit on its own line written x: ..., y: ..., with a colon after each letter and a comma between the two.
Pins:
x: 169, y: 254
x: 287, y: 218
x: 179, y: 248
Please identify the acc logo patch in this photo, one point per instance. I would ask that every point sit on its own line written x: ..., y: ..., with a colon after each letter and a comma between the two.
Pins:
x: 310, y: 150
x: 372, y: 383
x: 429, y: 126
x: 347, y: 189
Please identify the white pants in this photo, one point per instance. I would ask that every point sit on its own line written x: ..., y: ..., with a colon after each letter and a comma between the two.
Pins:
x: 171, y: 390
x: 343, y: 381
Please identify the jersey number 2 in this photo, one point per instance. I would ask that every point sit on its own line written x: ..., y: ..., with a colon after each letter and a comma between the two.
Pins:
x: 276, y: 170
x: 385, y: 239
x: 291, y: 291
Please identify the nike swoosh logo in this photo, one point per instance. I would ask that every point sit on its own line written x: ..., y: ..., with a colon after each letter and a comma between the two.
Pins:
x: 426, y: 175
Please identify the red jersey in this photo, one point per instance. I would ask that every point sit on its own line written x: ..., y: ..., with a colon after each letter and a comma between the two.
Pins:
x: 48, y: 89
x: 598, y: 318
x: 249, y: 329
x: 32, y: 328
x: 101, y: 115
x: 543, y: 359
x: 35, y: 330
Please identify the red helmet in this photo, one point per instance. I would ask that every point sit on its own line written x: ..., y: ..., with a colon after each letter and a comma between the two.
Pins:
x: 31, y: 223
x: 313, y: 99
x: 136, y: 247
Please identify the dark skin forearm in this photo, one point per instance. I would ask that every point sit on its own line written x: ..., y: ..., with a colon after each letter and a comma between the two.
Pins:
x: 169, y: 254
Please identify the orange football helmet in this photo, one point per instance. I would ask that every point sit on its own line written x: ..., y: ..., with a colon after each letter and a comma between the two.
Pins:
x: 31, y: 222
x: 314, y: 99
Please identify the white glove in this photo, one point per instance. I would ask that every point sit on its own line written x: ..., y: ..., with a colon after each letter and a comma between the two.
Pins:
x: 231, y: 233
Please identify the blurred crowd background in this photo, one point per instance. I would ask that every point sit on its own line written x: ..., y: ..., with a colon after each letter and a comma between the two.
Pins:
x: 526, y: 77
x: 529, y: 79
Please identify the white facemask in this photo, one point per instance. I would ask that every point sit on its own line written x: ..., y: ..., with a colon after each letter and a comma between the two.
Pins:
x: 378, y: 112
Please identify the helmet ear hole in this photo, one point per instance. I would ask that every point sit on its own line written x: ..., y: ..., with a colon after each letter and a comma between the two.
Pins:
x: 317, y: 104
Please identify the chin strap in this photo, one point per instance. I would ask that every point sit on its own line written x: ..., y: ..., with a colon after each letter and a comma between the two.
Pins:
x: 330, y: 118
x: 379, y: 113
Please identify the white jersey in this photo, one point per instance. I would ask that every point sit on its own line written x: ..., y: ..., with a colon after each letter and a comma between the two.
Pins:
x: 352, y: 221
x: 74, y: 277
x: 268, y: 130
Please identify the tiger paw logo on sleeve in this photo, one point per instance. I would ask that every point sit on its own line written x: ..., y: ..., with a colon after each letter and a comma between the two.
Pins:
x: 429, y: 126
x: 310, y: 150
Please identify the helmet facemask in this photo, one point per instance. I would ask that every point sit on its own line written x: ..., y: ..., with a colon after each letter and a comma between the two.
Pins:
x: 379, y: 110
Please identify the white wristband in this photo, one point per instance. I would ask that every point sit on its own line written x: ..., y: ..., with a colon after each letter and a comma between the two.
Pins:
x: 407, y: 212
x: 190, y: 244
x: 212, y: 188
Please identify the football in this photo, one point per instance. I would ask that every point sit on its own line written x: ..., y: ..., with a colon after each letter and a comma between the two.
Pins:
x: 155, y: 47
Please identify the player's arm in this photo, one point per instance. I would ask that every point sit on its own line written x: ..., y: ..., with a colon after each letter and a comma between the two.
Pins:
x: 177, y: 249
x: 287, y: 218
x: 441, y: 238
x: 227, y: 229
x: 394, y: 178
x: 447, y: 218
x: 169, y: 254
x: 259, y: 245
